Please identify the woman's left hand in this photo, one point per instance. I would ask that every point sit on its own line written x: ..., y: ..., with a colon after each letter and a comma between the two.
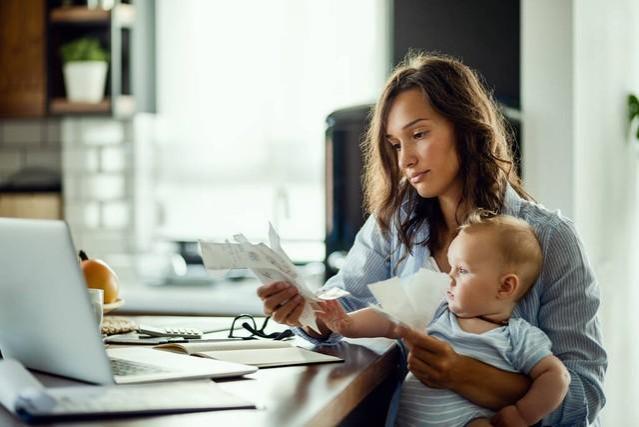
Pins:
x: 432, y: 361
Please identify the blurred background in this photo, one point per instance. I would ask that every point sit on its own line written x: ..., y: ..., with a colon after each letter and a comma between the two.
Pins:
x: 198, y: 119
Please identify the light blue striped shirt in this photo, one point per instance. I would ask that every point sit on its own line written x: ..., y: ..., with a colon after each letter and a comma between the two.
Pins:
x: 516, y: 347
x: 563, y: 302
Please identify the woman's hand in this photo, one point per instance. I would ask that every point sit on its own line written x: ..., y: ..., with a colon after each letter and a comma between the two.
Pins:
x: 335, y: 317
x: 282, y: 302
x: 432, y: 361
x: 508, y: 417
x: 436, y: 364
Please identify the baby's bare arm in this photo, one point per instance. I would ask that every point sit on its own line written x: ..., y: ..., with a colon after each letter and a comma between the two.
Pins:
x: 367, y: 322
x: 549, y: 387
x: 372, y: 322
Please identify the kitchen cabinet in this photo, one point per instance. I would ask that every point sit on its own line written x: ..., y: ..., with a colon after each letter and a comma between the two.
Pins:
x: 113, y: 29
x: 22, y: 58
x: 31, y: 77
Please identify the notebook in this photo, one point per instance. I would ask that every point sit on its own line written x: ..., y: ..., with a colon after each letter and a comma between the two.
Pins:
x: 259, y: 353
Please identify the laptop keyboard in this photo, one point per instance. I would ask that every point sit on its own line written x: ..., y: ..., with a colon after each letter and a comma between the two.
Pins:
x: 122, y: 367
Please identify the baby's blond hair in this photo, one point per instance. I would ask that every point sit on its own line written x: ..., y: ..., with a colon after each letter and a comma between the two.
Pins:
x: 517, y: 243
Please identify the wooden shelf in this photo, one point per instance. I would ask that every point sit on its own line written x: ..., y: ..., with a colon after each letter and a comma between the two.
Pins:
x: 123, y: 15
x: 123, y: 106
x: 79, y: 14
x: 114, y: 30
x: 64, y: 106
x: 33, y: 67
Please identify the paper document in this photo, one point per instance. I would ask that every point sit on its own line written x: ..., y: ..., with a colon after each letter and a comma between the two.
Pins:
x: 269, y: 264
x: 260, y: 353
x: 414, y: 299
x: 25, y: 397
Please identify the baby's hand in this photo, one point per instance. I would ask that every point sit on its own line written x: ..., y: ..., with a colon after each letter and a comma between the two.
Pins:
x: 508, y: 416
x: 335, y: 317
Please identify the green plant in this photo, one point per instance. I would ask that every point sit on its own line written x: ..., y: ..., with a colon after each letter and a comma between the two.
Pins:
x: 633, y: 111
x: 83, y: 49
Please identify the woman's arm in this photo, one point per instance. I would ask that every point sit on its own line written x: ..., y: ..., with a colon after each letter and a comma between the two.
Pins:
x: 488, y: 386
x: 436, y: 364
x: 567, y: 313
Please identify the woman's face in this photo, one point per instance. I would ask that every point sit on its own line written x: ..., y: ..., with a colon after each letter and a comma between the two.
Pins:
x: 425, y: 145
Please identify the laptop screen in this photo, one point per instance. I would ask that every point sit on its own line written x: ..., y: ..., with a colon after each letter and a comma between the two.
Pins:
x: 46, y: 320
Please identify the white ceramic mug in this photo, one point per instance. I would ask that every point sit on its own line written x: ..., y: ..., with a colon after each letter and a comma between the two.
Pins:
x: 96, y: 296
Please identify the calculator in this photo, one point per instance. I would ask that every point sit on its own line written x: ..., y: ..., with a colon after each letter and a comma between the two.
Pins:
x: 170, y: 332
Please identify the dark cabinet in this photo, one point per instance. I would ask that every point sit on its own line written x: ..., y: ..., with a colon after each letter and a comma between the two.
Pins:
x: 484, y: 34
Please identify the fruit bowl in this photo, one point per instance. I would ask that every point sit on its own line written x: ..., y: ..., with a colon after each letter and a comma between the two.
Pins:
x: 107, y: 308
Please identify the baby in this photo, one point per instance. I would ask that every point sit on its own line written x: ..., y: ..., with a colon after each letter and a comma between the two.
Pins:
x: 494, y: 261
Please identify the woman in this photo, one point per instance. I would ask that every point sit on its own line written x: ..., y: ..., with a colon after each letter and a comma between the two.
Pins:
x: 436, y: 150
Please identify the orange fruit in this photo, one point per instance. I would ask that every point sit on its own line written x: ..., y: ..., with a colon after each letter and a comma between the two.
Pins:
x: 99, y: 275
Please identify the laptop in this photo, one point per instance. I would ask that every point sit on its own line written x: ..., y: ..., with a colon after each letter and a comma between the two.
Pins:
x: 47, y: 323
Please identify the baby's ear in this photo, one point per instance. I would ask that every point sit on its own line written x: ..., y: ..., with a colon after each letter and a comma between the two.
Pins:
x: 508, y: 285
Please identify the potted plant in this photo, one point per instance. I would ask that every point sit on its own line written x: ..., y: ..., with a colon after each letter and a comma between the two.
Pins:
x: 633, y: 113
x: 85, y: 69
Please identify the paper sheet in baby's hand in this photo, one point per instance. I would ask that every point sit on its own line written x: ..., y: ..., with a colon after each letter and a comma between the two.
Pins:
x: 412, y: 300
x: 269, y: 264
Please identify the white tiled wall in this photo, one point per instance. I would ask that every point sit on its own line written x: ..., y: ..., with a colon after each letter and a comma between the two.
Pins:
x: 29, y: 143
x: 105, y: 170
x: 98, y: 164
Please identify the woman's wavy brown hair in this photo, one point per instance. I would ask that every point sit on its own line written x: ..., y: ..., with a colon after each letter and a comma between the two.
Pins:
x: 482, y: 143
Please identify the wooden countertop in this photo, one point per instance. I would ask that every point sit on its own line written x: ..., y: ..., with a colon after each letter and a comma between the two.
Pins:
x: 313, y: 395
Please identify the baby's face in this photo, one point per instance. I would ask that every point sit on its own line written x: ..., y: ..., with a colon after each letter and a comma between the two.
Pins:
x: 475, y: 271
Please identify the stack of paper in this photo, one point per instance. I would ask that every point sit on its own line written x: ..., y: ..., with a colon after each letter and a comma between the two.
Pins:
x: 269, y: 264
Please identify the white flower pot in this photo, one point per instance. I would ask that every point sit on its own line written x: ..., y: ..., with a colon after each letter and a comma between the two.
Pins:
x: 85, y: 80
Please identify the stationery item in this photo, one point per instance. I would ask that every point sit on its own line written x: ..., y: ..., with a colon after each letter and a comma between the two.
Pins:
x: 204, y: 324
x: 169, y: 332
x: 414, y: 299
x: 260, y: 353
x: 269, y: 264
x: 24, y: 396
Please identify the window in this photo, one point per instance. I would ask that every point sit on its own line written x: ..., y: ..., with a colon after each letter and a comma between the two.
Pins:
x: 243, y: 91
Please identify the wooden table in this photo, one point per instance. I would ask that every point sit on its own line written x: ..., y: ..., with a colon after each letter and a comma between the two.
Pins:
x: 349, y: 393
